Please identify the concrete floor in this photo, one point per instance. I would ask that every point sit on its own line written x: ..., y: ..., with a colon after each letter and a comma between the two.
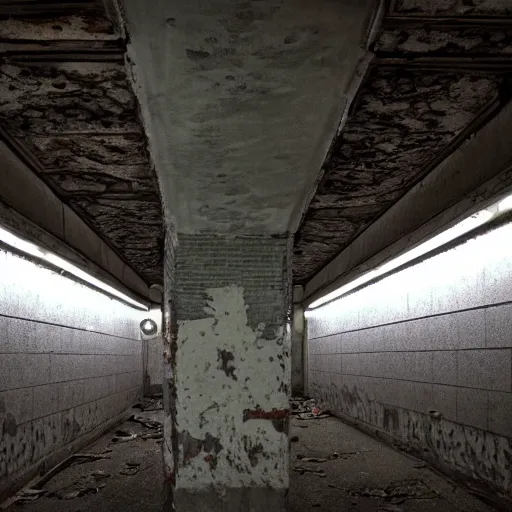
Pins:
x: 367, y: 476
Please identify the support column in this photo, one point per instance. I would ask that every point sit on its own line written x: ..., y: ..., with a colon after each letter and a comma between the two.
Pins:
x: 227, y: 370
x: 298, y: 333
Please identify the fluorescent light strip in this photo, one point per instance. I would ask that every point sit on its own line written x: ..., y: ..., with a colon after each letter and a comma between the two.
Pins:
x: 33, y: 250
x: 467, y: 225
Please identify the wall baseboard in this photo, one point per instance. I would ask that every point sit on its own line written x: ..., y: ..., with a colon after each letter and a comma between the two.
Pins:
x: 18, y: 481
x: 493, y: 497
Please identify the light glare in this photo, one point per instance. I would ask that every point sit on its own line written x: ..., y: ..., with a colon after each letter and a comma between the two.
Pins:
x: 149, y: 327
x: 505, y: 204
x: 33, y: 250
x: 467, y: 225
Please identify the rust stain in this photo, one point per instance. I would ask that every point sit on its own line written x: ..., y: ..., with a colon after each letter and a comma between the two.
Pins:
x: 260, y: 414
x: 211, y: 460
x: 171, y: 478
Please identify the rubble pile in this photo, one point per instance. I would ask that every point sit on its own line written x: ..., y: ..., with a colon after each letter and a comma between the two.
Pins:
x: 308, y: 409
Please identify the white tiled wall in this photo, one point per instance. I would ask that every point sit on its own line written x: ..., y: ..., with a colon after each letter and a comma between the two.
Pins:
x: 70, y: 359
x: 437, y: 335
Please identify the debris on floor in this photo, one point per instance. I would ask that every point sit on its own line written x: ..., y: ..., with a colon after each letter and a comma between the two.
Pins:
x: 99, y: 475
x: 24, y: 496
x: 152, y: 435
x: 337, y: 467
x: 76, y: 458
x: 301, y: 470
x: 152, y: 403
x: 121, y: 436
x: 130, y: 468
x: 88, y: 484
x: 155, y: 426
x: 308, y: 409
x: 334, y: 467
x: 146, y: 422
x: 112, y: 475
x: 399, y: 491
x: 311, y: 459
x: 35, y: 490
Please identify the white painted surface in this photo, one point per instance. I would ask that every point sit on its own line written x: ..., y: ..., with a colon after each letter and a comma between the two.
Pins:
x: 204, y: 389
x: 30, y: 291
x: 474, y: 274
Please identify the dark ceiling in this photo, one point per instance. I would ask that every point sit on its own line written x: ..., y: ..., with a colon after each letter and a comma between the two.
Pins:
x: 441, y: 70
x: 67, y: 108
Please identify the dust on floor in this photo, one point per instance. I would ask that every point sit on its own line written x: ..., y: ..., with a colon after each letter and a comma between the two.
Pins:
x: 128, y: 479
x: 335, y: 467
x: 357, y: 473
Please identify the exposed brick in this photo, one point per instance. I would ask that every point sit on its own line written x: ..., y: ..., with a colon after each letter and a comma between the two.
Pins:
x: 259, y: 264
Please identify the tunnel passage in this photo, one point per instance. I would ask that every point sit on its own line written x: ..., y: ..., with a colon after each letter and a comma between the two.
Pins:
x: 247, y: 147
x: 429, y: 367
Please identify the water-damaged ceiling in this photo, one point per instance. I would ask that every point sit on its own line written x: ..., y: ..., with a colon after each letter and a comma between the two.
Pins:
x: 250, y: 107
x: 440, y: 71
x: 67, y: 108
x: 241, y: 100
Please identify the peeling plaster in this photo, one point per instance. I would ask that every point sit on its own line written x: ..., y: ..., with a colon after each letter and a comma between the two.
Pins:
x: 79, y: 120
x: 401, y: 119
x: 88, y: 27
x: 453, y: 7
x: 438, y: 41
x: 220, y: 442
x: 236, y: 95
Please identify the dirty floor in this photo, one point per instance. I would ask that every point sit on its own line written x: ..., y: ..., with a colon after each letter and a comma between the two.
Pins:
x: 360, y: 474
x: 129, y: 479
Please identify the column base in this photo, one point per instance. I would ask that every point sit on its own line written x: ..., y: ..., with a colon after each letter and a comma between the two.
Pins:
x: 252, y: 499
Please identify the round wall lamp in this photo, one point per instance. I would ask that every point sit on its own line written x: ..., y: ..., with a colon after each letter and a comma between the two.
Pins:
x: 148, y: 327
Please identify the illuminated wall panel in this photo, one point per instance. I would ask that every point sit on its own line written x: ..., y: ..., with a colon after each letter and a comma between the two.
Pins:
x: 425, y: 355
x: 70, y: 360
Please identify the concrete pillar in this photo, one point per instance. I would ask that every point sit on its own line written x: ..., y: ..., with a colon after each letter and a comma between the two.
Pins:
x: 152, y: 354
x: 298, y: 332
x: 227, y: 372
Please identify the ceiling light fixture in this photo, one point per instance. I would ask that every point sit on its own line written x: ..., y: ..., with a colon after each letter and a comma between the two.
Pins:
x: 32, y: 249
x: 474, y: 221
x: 148, y: 327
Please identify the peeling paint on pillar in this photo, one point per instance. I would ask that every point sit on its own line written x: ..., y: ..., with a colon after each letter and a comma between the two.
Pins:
x: 170, y: 445
x: 217, y: 440
x: 227, y: 350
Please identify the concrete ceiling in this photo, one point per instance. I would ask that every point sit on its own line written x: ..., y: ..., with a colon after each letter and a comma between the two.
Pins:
x: 67, y: 108
x: 240, y: 105
x: 241, y: 100
x: 440, y: 72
